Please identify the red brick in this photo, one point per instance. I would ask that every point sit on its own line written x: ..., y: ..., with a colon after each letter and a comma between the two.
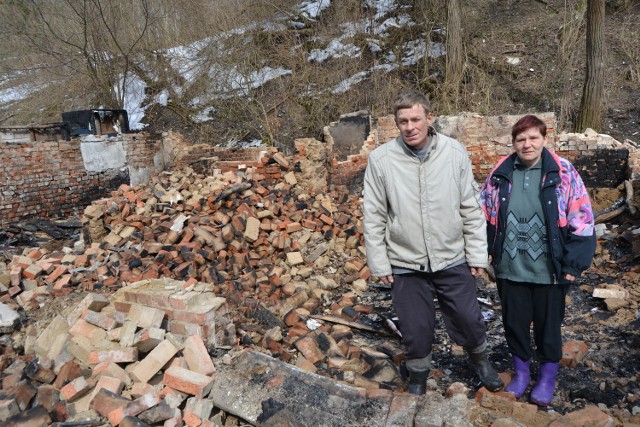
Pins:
x: 35, y: 254
x: 59, y: 271
x: 40, y: 373
x: 238, y: 223
x: 105, y: 402
x: 100, y: 320
x: 32, y: 271
x: 573, y: 352
x: 310, y: 349
x: 200, y: 318
x: 75, y: 389
x: 111, y: 384
x: 117, y: 356
x: 326, y: 219
x: 83, y: 328
x: 147, y: 317
x: 187, y: 381
x: 197, y: 356
x: 365, y: 273
x: 48, y: 396
x: 293, y: 227
x: 135, y: 407
x: 10, y: 381
x: 62, y: 282
x: 487, y: 399
x: 16, y: 276
x: 23, y: 392
x: 122, y: 307
x: 154, y: 361
x: 111, y: 369
x: 140, y: 389
x: 81, y: 260
x: 589, y: 416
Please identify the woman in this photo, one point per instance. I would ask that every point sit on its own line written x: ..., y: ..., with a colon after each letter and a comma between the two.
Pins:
x: 541, y: 236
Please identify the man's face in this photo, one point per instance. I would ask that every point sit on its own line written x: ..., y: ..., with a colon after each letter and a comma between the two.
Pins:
x: 413, y: 124
x: 528, y: 146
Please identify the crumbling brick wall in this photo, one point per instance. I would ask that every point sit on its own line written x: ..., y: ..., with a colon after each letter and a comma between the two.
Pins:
x: 602, y: 161
x: 48, y: 179
x: 203, y: 158
x: 52, y: 178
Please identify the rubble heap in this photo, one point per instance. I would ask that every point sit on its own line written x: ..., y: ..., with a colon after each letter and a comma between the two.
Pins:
x: 211, y: 299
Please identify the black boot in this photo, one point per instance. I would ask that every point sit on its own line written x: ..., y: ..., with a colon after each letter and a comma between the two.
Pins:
x: 417, y: 382
x: 479, y: 361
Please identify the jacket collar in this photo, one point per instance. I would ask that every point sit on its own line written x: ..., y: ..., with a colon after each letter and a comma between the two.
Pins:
x: 432, y: 145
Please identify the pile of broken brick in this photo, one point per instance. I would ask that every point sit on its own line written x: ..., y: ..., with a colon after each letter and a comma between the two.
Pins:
x: 217, y: 300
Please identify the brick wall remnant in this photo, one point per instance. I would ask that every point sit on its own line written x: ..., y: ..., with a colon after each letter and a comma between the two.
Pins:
x: 57, y: 178
x: 47, y: 179
x: 602, y: 161
x: 488, y: 138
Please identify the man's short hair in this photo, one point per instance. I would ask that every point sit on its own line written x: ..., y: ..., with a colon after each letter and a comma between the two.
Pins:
x: 409, y: 98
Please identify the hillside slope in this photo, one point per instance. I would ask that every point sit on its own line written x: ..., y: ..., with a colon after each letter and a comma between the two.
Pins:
x: 283, y: 70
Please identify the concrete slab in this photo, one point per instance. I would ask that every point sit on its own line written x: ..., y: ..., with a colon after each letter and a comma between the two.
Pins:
x: 268, y: 392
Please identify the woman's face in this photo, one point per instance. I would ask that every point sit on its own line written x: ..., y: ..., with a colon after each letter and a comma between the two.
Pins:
x: 528, y: 146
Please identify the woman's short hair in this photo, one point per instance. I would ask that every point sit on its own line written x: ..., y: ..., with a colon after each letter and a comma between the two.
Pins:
x: 409, y: 98
x: 527, y: 122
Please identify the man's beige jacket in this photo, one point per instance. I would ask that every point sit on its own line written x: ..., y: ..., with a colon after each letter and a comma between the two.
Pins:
x: 422, y: 214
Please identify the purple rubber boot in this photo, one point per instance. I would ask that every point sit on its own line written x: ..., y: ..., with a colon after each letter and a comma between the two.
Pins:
x: 521, y: 381
x: 542, y: 393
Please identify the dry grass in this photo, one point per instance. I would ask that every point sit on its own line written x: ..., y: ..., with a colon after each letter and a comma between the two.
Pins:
x: 628, y: 37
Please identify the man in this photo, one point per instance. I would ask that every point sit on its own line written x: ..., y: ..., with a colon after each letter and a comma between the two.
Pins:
x: 425, y: 235
x: 541, y: 237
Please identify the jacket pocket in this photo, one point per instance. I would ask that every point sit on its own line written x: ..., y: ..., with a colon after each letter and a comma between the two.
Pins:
x: 451, y: 233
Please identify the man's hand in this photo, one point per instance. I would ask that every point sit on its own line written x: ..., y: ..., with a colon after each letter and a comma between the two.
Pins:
x: 570, y: 277
x: 387, y: 280
x: 476, y: 272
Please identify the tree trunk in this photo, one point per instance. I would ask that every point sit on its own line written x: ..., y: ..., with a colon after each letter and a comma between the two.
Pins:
x: 592, y: 106
x: 455, y: 59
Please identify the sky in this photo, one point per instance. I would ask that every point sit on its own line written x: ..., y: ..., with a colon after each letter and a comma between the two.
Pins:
x: 188, y: 62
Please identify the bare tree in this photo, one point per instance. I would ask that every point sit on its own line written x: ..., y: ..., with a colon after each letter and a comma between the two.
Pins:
x: 90, y: 38
x: 592, y: 107
x: 455, y: 58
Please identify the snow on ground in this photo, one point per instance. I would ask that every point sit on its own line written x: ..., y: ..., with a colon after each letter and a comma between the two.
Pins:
x: 312, y: 9
x: 18, y: 93
x: 134, y: 102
